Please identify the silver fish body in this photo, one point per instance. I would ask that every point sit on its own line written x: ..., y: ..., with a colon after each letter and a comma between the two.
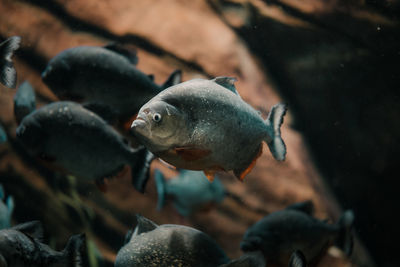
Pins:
x: 205, y: 125
x: 24, y: 101
x: 168, y: 245
x: 281, y: 233
x: 21, y: 246
x: 78, y: 141
x: 190, y: 191
x: 101, y: 76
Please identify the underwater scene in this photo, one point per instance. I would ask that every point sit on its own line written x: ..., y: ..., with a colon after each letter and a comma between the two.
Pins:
x: 199, y: 133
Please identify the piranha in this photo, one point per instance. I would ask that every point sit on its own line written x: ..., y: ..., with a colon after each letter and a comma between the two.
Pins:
x: 104, y: 79
x: 77, y: 141
x: 205, y: 125
x: 168, y: 245
x: 6, y: 209
x: 8, y: 74
x: 3, y: 134
x: 283, y: 232
x: 24, y: 101
x: 190, y: 191
x: 21, y: 245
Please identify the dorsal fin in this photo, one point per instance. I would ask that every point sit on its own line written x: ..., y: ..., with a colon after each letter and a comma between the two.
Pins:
x: 227, y: 82
x: 129, y: 54
x: 306, y: 207
x: 33, y: 229
x: 143, y: 225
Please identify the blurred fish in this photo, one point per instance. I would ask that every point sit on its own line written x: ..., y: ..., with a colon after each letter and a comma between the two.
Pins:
x: 190, y: 191
x: 8, y: 74
x: 3, y: 134
x: 168, y: 245
x: 104, y: 78
x: 24, y: 101
x: 250, y: 259
x: 283, y: 232
x: 21, y: 246
x: 6, y: 209
x: 205, y: 125
x: 79, y: 142
x: 256, y: 259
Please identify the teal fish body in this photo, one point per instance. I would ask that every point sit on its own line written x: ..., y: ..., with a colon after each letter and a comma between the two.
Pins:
x: 6, y: 209
x: 205, y: 125
x: 21, y: 246
x: 24, y: 101
x: 8, y: 74
x: 79, y: 142
x: 102, y: 76
x: 190, y: 191
x: 168, y: 245
x: 284, y: 232
x: 3, y: 135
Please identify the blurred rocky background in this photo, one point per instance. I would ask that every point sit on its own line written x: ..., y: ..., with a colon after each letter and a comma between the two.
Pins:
x: 335, y: 62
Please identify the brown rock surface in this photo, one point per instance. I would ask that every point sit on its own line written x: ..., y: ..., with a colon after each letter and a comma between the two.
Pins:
x: 268, y: 45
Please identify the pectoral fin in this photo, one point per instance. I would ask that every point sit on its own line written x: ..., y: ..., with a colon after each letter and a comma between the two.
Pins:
x: 191, y: 153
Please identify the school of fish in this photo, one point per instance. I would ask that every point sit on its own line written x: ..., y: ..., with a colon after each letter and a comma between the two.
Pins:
x: 200, y: 126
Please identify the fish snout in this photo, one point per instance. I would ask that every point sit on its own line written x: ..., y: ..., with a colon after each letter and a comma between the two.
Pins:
x: 139, y: 123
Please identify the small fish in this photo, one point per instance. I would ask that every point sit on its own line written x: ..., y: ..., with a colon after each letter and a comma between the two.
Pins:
x: 21, y: 246
x: 8, y: 74
x: 104, y: 79
x: 205, y: 125
x: 6, y: 209
x: 168, y: 245
x: 3, y: 134
x: 24, y: 101
x: 283, y: 232
x: 79, y: 142
x: 190, y: 191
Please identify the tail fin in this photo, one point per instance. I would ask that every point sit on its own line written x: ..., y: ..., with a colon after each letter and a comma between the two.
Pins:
x: 174, y: 78
x: 75, y: 250
x: 8, y: 74
x: 345, y: 238
x: 141, y: 168
x: 160, y: 184
x: 297, y: 259
x: 274, y: 140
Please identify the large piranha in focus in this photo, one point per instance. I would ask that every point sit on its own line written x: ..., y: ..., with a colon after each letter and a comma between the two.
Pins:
x: 205, y: 125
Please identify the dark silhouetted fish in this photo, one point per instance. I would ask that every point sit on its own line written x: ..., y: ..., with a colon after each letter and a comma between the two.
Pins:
x: 3, y: 134
x: 205, y: 125
x: 168, y: 245
x: 8, y: 74
x: 190, y: 191
x: 21, y: 246
x: 24, y: 101
x: 104, y: 79
x: 283, y: 232
x: 6, y: 209
x: 79, y: 142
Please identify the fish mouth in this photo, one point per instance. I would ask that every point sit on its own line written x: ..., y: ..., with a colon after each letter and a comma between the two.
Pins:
x: 140, y: 126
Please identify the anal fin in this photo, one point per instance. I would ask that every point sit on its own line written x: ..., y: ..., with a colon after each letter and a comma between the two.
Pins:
x: 241, y: 173
x: 210, y: 173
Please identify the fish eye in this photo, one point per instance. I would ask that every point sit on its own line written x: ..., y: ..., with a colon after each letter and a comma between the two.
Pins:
x: 157, y: 117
